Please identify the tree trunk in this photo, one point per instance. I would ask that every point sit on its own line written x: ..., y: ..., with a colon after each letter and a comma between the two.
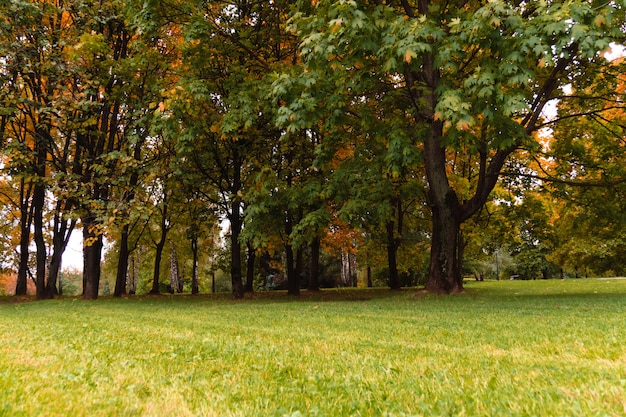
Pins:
x: 157, y: 267
x: 194, y: 267
x: 121, y: 277
x: 134, y: 271
x: 122, y: 264
x: 444, y: 272
x: 392, y: 251
x: 293, y: 286
x: 314, y: 284
x: 92, y: 255
x: 40, y: 244
x: 235, y: 250
x: 159, y: 246
x: 174, y: 270
x: 22, y: 271
x: 345, y: 268
x: 60, y: 238
x: 250, y: 268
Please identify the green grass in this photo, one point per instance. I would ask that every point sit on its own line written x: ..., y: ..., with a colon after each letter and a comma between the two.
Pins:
x: 543, y: 348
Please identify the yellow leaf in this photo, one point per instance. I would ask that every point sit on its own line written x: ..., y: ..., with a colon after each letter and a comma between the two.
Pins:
x: 599, y: 20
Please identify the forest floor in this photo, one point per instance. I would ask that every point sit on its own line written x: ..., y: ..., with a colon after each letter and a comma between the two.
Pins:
x: 518, y: 348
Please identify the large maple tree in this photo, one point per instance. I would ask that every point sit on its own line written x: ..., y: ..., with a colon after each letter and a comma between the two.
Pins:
x: 475, y: 76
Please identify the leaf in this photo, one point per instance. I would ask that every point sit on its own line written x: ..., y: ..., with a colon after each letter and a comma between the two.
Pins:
x: 408, y: 55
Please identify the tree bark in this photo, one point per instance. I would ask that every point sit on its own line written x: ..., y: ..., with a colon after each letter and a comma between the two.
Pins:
x: 444, y: 271
x: 175, y: 280
x: 250, y: 268
x: 293, y: 284
x: 92, y: 255
x: 40, y: 244
x: 314, y: 284
x: 392, y: 252
x: 25, y: 222
x: 157, y: 266
x: 39, y: 202
x: 122, y: 264
x: 194, y: 267
x: 235, y: 250
x: 160, y: 245
x: 134, y: 271
x: 62, y: 232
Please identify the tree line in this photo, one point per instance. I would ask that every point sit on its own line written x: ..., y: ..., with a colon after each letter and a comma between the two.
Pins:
x: 406, y: 136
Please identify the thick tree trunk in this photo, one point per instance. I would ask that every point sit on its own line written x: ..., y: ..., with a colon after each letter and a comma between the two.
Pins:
x: 92, y: 255
x: 444, y: 273
x: 314, y: 284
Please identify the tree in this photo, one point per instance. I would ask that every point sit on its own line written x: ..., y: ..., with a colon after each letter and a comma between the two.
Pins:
x: 470, y: 75
x: 230, y: 47
x: 37, y: 129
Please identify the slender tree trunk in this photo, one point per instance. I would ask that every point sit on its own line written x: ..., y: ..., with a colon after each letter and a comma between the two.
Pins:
x: 250, y: 268
x: 298, y: 267
x: 235, y: 250
x: 40, y: 244
x: 314, y: 273
x: 22, y: 271
x: 345, y: 268
x: 194, y: 267
x: 174, y: 270
x: 122, y: 264
x: 134, y: 271
x: 157, y: 267
x: 92, y: 256
x: 293, y: 285
x: 60, y: 281
x: 392, y: 251
x: 60, y: 238
x: 160, y: 245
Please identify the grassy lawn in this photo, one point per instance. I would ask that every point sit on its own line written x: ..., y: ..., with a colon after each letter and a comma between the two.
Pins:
x: 542, y: 348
